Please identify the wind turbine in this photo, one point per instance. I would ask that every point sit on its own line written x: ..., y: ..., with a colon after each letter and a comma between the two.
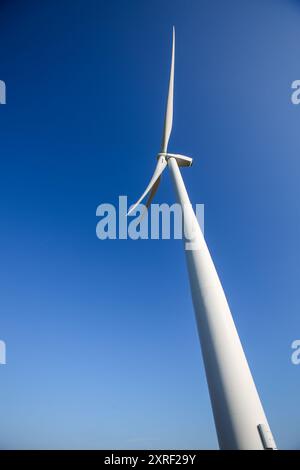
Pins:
x: 238, y: 413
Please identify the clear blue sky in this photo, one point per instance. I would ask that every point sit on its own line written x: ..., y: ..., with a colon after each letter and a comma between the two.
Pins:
x: 102, y: 347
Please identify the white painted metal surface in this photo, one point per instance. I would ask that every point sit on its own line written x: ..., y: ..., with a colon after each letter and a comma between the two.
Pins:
x: 236, y: 405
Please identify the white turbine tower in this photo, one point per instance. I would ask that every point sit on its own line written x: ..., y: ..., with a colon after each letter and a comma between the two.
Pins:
x: 238, y: 413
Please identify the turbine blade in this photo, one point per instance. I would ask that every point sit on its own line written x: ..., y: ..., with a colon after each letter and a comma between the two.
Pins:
x: 150, y: 198
x: 153, y: 192
x: 169, y: 108
x: 153, y: 184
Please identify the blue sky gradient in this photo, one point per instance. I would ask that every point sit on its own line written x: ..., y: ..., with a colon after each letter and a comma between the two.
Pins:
x: 102, y: 348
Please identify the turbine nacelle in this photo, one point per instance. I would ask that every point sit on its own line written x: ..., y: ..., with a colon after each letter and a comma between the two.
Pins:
x: 182, y: 160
